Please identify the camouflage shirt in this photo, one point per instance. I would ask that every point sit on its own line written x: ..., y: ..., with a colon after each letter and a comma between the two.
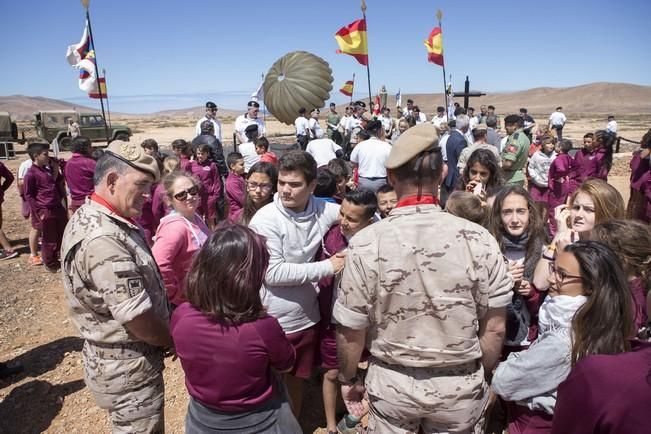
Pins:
x: 420, y: 280
x: 109, y: 275
x: 516, y: 149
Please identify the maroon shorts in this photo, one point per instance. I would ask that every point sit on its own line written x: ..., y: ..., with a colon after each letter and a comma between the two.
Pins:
x: 304, y: 342
x: 328, y: 348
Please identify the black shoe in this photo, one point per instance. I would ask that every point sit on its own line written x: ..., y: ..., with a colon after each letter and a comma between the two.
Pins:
x: 8, y: 371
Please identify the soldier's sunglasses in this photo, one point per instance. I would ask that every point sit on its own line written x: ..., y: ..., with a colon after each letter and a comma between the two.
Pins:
x: 183, y: 195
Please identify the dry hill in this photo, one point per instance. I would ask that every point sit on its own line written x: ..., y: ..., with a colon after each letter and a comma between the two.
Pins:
x: 22, y: 107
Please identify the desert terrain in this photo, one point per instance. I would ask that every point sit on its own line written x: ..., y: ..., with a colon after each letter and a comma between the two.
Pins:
x: 50, y: 396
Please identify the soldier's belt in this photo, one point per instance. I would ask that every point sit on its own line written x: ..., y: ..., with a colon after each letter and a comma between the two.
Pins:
x: 123, y: 350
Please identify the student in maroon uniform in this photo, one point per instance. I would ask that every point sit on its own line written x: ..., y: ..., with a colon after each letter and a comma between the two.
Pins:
x: 79, y: 172
x: 596, y: 158
x: 44, y: 192
x: 206, y: 171
x: 230, y: 348
x: 235, y: 186
x: 7, y: 251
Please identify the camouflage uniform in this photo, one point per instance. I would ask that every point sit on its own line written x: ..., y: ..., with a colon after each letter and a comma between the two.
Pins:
x: 420, y: 293
x: 516, y: 149
x: 110, y: 278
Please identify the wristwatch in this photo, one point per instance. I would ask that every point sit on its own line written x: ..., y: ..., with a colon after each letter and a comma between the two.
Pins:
x: 348, y: 382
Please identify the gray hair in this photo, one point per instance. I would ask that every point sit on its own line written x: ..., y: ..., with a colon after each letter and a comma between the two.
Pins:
x: 463, y: 121
x: 108, y: 163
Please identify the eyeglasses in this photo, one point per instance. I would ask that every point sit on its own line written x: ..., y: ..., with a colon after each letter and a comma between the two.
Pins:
x: 561, y: 276
x: 252, y: 186
x: 183, y: 194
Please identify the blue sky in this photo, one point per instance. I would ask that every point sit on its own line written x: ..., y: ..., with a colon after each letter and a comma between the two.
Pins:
x: 172, y: 54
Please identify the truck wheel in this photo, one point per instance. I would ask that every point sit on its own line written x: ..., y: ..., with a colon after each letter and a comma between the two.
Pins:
x: 65, y: 143
x: 122, y: 136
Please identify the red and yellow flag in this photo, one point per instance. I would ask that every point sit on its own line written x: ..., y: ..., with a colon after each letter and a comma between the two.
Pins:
x: 347, y: 88
x: 102, y: 86
x: 352, y: 41
x: 434, y: 45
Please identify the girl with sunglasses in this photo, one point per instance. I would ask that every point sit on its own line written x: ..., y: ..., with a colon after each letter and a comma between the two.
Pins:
x: 260, y: 187
x: 180, y: 234
x: 587, y: 311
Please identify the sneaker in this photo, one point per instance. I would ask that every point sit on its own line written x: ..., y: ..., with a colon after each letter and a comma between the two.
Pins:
x: 53, y: 270
x: 7, y: 254
x: 35, y: 260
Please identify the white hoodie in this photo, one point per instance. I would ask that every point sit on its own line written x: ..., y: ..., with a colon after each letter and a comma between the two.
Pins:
x: 293, y: 239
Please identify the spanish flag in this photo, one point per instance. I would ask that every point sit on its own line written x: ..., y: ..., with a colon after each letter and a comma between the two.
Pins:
x: 347, y: 88
x: 434, y: 45
x: 352, y: 40
x: 102, y: 85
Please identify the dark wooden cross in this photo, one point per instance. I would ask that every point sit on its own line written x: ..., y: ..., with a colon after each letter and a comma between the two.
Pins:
x: 466, y: 94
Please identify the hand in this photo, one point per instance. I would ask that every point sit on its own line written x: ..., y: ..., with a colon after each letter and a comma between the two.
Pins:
x: 517, y: 271
x: 525, y: 289
x: 564, y: 239
x: 352, y: 396
x: 470, y: 187
x: 337, y: 261
x: 561, y: 214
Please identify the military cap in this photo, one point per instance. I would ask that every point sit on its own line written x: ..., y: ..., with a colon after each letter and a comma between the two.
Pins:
x: 253, y: 104
x: 411, y: 143
x: 134, y: 156
x: 480, y: 127
x: 361, y: 104
x: 211, y: 105
x: 253, y: 128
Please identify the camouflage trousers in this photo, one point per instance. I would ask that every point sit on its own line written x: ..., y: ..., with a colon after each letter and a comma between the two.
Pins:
x: 438, y: 400
x: 129, y: 385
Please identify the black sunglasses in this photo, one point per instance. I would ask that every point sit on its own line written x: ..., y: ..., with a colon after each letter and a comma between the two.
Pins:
x: 183, y: 195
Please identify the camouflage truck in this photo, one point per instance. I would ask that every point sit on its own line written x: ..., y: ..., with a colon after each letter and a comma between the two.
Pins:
x: 8, y: 129
x: 52, y: 125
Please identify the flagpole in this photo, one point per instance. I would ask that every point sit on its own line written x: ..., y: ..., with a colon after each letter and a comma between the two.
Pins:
x: 352, y: 91
x: 368, y: 69
x: 439, y: 16
x: 108, y: 109
x: 99, y: 87
x: 264, y: 107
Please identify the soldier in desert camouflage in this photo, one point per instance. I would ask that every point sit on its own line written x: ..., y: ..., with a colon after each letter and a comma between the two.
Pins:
x: 428, y: 292
x: 115, y: 292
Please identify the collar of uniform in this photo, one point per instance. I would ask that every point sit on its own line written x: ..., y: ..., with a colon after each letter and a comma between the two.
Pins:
x: 415, y: 209
x: 102, y: 205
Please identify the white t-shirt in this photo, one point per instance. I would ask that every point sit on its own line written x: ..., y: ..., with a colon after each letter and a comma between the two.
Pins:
x: 250, y: 157
x: 353, y: 123
x: 243, y: 121
x: 557, y: 118
x: 370, y: 155
x: 387, y: 123
x: 302, y: 126
x: 316, y: 127
x: 323, y: 150
x: 421, y: 118
x: 612, y: 127
x: 215, y: 124
x: 23, y: 168
x: 438, y: 120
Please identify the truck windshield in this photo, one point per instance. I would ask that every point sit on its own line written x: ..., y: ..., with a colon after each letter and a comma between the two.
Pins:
x: 56, y: 120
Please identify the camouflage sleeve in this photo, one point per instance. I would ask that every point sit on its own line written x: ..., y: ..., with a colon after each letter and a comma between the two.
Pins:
x: 115, y: 278
x: 354, y: 293
x: 510, y: 151
x: 498, y: 282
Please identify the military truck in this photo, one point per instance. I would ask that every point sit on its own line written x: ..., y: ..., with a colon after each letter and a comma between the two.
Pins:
x: 8, y: 129
x: 52, y: 125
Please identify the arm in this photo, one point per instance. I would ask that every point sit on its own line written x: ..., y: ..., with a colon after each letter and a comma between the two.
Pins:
x: 350, y: 344
x: 282, y: 354
x: 170, y: 240
x: 149, y: 328
x: 491, y: 336
x: 218, y: 157
x: 7, y: 175
x: 30, y: 192
x: 534, y: 168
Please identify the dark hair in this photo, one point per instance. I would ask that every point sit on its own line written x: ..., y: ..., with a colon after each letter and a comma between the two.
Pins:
x: 204, y: 148
x: 299, y: 161
x: 262, y: 142
x: 536, y: 229
x: 513, y: 120
x: 459, y: 111
x: 36, y: 148
x: 183, y: 146
x: 326, y: 184
x: 81, y: 145
x: 471, y: 108
x: 232, y: 158
x: 440, y: 109
x: 523, y: 110
x: 301, y: 110
x: 588, y: 136
x: 338, y: 167
x: 604, y: 323
x: 226, y: 275
x: 386, y: 188
x: 478, y: 133
x: 607, y: 141
x: 631, y: 242
x: 410, y: 100
x: 467, y: 206
x: 491, y: 107
x: 487, y: 159
x: 491, y: 121
x: 249, y: 207
x: 411, y: 120
x: 565, y: 146
x: 363, y: 197
x: 108, y: 163
x: 150, y: 144
x: 96, y: 154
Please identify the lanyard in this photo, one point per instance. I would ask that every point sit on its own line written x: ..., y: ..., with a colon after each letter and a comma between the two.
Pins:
x: 100, y: 200
x: 425, y: 199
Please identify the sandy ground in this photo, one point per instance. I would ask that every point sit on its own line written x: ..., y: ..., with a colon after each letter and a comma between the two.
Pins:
x: 50, y: 396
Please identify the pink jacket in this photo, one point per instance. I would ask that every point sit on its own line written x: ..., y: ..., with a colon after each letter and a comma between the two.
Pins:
x: 175, y: 244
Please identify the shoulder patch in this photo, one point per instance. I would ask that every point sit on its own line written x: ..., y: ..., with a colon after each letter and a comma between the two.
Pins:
x: 134, y: 286
x: 511, y: 149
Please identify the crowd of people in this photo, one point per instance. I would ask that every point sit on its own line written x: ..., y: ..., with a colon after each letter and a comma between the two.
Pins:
x: 439, y: 277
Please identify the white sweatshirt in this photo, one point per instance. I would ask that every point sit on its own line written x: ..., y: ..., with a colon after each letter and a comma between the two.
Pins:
x: 293, y: 239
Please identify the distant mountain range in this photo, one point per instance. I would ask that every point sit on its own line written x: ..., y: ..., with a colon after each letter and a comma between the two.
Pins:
x: 593, y: 98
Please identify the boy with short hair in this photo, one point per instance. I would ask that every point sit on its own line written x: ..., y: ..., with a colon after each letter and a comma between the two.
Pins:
x: 339, y: 168
x: 79, y: 173
x: 44, y: 193
x: 387, y: 199
x: 34, y: 258
x: 206, y: 171
x: 235, y: 184
x: 262, y: 149
x: 7, y: 251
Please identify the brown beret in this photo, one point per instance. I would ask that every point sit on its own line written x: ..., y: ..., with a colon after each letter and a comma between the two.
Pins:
x: 134, y: 156
x: 411, y: 143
